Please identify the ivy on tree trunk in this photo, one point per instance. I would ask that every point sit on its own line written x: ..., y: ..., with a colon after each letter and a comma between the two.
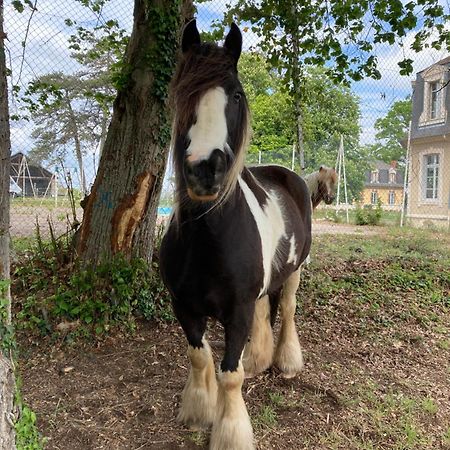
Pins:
x: 120, y: 212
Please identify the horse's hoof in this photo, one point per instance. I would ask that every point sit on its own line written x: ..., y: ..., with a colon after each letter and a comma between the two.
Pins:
x: 288, y: 375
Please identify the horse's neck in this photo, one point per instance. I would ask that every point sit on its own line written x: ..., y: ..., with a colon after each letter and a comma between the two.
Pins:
x: 312, y: 182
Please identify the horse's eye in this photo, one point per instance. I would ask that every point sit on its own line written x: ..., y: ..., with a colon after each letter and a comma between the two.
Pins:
x: 237, y: 96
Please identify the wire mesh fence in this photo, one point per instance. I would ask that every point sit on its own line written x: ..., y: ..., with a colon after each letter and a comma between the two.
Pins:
x: 387, y: 138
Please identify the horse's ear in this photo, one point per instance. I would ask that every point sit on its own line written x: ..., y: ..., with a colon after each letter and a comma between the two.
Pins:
x: 233, y: 42
x: 191, y: 36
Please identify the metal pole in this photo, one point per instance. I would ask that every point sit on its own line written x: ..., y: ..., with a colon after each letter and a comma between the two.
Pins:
x: 406, y: 175
x: 293, y: 157
x: 339, y: 179
x: 345, y: 178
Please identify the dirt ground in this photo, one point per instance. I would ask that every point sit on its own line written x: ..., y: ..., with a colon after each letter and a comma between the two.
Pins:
x: 124, y: 393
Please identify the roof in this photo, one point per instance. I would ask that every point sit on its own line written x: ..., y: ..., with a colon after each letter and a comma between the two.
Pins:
x: 383, y: 176
x: 36, y: 171
x: 442, y: 62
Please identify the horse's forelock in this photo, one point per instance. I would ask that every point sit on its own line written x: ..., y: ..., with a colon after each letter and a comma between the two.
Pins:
x: 199, y: 70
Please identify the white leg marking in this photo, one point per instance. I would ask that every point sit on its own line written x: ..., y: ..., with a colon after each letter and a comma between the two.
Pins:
x: 258, y: 353
x: 199, y: 396
x: 232, y: 429
x: 210, y: 130
x: 271, y: 228
x: 288, y: 355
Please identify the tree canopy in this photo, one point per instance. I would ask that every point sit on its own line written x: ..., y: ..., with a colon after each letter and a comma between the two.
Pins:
x: 341, y: 35
x: 392, y: 130
x: 328, y: 111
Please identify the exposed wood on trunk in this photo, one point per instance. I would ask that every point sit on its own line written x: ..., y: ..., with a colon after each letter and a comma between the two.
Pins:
x: 7, y: 384
x: 129, y: 214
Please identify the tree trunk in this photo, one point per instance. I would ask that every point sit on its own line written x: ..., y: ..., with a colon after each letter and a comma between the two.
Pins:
x: 297, y: 78
x: 7, y: 384
x: 78, y: 152
x: 120, y: 212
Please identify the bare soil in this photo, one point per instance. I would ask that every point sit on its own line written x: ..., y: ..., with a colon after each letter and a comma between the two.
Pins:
x: 123, y: 393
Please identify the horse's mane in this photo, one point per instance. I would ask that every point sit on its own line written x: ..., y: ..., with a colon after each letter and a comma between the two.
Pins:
x: 204, y: 67
x: 312, y: 181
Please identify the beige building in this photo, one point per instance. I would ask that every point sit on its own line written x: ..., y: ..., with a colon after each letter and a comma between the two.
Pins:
x: 429, y: 162
x: 384, y: 182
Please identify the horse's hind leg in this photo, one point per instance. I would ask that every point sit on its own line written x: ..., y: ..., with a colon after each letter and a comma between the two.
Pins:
x: 199, y: 396
x: 258, y: 353
x: 288, y: 355
x: 232, y: 429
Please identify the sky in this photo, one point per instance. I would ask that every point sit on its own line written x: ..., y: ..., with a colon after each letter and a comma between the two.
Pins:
x: 46, y: 50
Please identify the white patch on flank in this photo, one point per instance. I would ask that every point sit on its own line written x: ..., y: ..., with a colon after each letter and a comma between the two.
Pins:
x: 270, y: 223
x: 292, y: 255
x: 210, y: 131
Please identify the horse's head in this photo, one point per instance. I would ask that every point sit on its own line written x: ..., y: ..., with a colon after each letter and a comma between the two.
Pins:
x: 327, y: 180
x: 211, y: 116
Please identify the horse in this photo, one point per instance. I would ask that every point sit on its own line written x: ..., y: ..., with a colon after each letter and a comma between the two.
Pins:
x: 234, y: 244
x: 322, y: 184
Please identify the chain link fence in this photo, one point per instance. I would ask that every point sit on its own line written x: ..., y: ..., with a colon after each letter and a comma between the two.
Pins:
x: 386, y: 138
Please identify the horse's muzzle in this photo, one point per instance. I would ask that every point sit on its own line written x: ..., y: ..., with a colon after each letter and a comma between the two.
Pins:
x: 329, y: 199
x: 204, y: 178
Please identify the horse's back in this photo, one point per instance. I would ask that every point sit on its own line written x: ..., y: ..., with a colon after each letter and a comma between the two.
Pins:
x: 287, y: 181
x: 295, y: 203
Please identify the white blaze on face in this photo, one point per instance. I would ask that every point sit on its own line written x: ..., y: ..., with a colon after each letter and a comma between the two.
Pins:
x: 270, y: 223
x: 210, y: 130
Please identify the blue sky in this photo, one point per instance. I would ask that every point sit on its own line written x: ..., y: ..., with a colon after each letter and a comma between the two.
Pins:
x: 46, y: 50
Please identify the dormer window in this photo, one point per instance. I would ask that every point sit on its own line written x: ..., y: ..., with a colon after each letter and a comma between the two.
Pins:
x: 434, y: 86
x: 374, y: 176
x: 435, y: 100
x: 392, y: 175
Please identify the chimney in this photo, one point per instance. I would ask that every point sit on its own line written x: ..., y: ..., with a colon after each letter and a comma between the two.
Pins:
x: 394, y: 164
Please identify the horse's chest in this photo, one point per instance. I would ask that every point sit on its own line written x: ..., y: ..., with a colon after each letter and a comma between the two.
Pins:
x: 202, y: 264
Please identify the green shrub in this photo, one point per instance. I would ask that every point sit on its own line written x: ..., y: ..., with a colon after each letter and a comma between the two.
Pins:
x: 368, y: 215
x: 90, y: 298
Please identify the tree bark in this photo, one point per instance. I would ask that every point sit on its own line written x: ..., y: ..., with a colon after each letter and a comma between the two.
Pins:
x: 7, y: 383
x: 120, y: 212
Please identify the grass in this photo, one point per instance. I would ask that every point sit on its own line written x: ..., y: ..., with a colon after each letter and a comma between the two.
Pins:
x: 390, y: 293
x: 388, y: 218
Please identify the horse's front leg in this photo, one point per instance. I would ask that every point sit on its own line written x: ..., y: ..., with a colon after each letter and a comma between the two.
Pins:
x: 288, y: 355
x: 198, y: 402
x: 232, y: 429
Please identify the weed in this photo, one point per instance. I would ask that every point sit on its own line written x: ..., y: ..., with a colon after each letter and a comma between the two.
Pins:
x: 429, y: 406
x: 276, y: 399
x: 266, y: 418
x: 55, y: 291
x: 446, y: 437
x: 199, y: 438
x: 27, y: 434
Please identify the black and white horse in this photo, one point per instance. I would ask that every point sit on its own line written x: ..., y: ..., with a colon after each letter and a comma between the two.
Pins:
x: 234, y: 245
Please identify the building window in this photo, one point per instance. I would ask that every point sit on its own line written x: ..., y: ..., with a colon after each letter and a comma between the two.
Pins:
x: 374, y: 197
x: 374, y: 176
x: 391, y: 198
x: 431, y: 174
x: 392, y: 177
x: 435, y: 100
